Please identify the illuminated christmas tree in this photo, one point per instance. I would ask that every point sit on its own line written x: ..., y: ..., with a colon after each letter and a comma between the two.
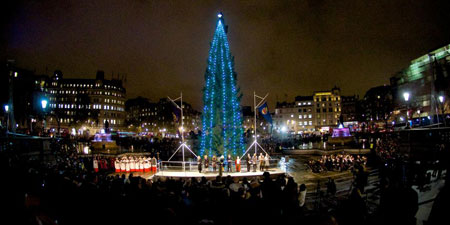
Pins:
x: 222, y: 131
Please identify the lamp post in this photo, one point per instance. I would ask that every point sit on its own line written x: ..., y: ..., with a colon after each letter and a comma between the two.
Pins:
x: 44, y: 106
x: 7, y: 116
x: 441, y: 101
x: 406, y: 97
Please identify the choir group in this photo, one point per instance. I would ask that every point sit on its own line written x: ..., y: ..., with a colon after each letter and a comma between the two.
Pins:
x: 261, y: 162
x: 130, y: 164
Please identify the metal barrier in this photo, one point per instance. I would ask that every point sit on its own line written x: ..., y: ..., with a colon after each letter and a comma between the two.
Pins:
x: 192, y: 167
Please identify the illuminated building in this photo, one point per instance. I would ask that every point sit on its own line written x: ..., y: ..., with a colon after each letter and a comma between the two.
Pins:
x: 425, y: 80
x: 86, y: 104
x: 318, y: 112
x: 327, y: 106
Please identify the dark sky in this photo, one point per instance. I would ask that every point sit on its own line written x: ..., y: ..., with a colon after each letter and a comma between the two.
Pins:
x: 286, y: 48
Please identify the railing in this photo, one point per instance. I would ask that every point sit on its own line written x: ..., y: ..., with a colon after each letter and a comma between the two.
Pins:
x: 192, y: 167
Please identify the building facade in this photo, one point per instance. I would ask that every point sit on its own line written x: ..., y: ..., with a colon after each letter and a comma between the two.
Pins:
x: 317, y: 112
x: 80, y: 106
x: 159, y: 117
x: 420, y: 91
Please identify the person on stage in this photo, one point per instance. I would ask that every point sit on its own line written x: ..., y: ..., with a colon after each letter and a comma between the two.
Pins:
x: 122, y: 165
x: 255, y: 162
x: 266, y: 158
x: 221, y: 159
x: 127, y: 165
x: 249, y: 162
x: 141, y: 164
x: 146, y: 164
x: 214, y: 162
x: 199, y: 164
x: 154, y: 164
x: 131, y: 163
x: 229, y: 164
x: 261, y: 162
x: 238, y: 164
x: 95, y: 162
x: 206, y: 163
x: 117, y: 165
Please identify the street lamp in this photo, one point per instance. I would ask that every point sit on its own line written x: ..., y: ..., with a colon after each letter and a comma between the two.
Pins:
x: 44, y: 103
x: 441, y: 101
x: 406, y: 97
x: 7, y: 116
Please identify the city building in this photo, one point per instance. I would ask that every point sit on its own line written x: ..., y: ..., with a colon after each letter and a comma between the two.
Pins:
x: 378, y: 105
x: 351, y: 110
x: 159, y: 117
x: 327, y: 108
x: 420, y: 91
x: 21, y: 94
x: 85, y: 106
x: 317, y: 112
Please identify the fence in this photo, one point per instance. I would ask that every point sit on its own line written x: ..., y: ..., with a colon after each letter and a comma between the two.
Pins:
x: 192, y: 166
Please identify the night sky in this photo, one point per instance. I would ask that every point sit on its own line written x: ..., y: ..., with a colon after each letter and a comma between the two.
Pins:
x: 286, y: 48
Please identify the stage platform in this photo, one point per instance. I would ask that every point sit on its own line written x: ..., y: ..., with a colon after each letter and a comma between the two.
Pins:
x: 210, y: 174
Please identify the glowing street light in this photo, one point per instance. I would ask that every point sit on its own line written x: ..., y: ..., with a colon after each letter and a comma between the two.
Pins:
x: 44, y: 103
x: 406, y: 96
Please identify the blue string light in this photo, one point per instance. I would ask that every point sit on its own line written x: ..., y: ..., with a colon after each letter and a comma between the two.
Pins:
x: 222, y: 109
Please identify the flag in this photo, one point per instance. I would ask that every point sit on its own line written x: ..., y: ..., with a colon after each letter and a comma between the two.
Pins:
x: 264, y: 111
x: 176, y: 113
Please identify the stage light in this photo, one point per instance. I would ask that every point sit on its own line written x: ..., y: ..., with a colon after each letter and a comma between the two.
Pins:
x: 219, y: 15
x: 6, y: 108
x: 441, y: 99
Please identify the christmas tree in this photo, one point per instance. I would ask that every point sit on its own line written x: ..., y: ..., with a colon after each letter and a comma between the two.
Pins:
x: 222, y: 131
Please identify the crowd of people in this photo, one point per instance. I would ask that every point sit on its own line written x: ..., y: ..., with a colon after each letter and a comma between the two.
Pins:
x: 66, y: 188
x: 68, y: 191
x: 339, y: 162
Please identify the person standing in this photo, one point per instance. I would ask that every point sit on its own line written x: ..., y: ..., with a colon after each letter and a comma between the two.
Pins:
x: 146, y: 165
x: 122, y: 166
x: 267, y: 162
x: 127, y: 165
x: 117, y: 165
x: 95, y: 164
x: 141, y: 164
x: 199, y: 164
x: 214, y: 162
x: 229, y: 164
x: 238, y: 164
x: 302, y: 195
x: 254, y: 162
x: 131, y: 162
x: 206, y: 163
x: 221, y: 159
x: 249, y: 162
x: 261, y: 162
x: 154, y: 164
